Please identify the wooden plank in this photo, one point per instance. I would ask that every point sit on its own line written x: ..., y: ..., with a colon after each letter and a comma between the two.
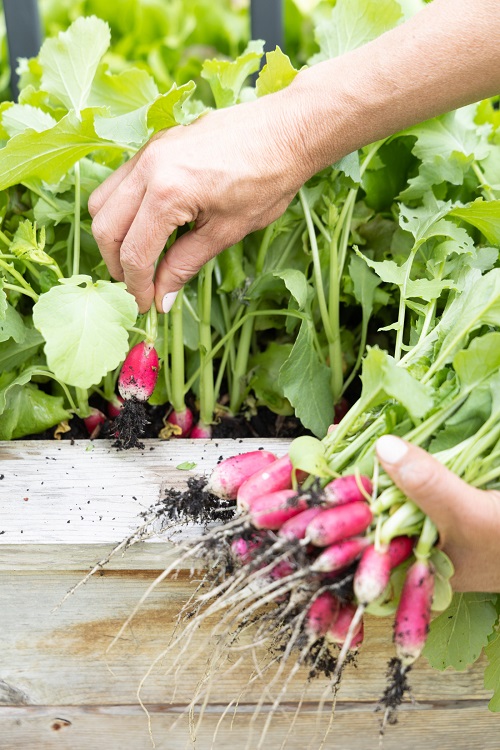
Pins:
x: 91, y: 494
x: 59, y: 658
x: 424, y: 727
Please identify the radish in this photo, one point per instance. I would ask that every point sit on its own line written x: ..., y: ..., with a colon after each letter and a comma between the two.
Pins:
x: 295, y: 528
x: 372, y: 574
x: 229, y: 475
x: 400, y: 549
x: 341, y: 409
x: 347, y: 489
x: 270, y: 511
x: 182, y: 422
x: 114, y: 406
x: 139, y: 373
x: 335, y: 524
x: 94, y: 421
x: 412, y: 621
x: 201, y: 431
x: 278, y: 476
x: 243, y: 549
x: 321, y: 615
x: 338, y: 630
x: 339, y: 555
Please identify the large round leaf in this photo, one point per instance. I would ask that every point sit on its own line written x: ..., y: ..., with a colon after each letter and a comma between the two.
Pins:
x: 85, y: 328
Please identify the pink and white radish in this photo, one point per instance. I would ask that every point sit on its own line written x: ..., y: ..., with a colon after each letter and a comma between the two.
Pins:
x: 139, y: 373
x: 228, y: 476
x: 335, y: 524
x: 272, y: 510
x: 182, y: 422
x: 339, y: 629
x: 340, y: 555
x: 94, y: 421
x: 413, y: 615
x: 201, y: 431
x: 296, y: 527
x: 277, y: 476
x: 321, y: 615
x: 348, y: 489
x: 114, y: 406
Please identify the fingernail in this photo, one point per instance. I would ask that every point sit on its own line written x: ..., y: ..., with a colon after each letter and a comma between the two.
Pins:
x: 168, y: 301
x: 391, y: 449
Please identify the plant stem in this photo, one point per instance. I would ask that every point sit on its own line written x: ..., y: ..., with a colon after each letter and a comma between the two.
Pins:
x: 76, y: 236
x: 82, y: 398
x: 151, y: 325
x: 19, y: 278
x: 490, y: 195
x: 48, y: 373
x: 223, y: 341
x: 21, y: 290
x: 402, y: 306
x: 427, y: 540
x: 177, y: 355
x: 166, y: 363
x: 318, y: 280
x: 207, y: 396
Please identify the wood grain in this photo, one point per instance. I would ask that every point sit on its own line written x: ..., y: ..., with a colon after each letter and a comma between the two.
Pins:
x: 424, y: 727
x: 62, y: 508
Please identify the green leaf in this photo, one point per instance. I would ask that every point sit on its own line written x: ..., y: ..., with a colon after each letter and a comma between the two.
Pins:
x: 391, y: 273
x: 484, y: 215
x: 459, y: 634
x: 264, y: 377
x: 443, y: 571
x: 226, y: 78
x: 13, y: 353
x: 427, y: 221
x: 277, y: 73
x: 70, y: 61
x: 3, y: 301
x: 27, y: 244
x: 26, y: 410
x: 306, y: 383
x: 12, y: 326
x: 479, y: 304
x: 186, y: 466
x: 309, y: 454
x: 130, y: 128
x: 85, y: 328
x: 122, y: 93
x: 230, y: 263
x: 492, y: 671
x: 479, y: 361
x: 350, y: 166
x: 20, y: 117
x: 382, y: 379
x: 296, y: 283
x: 364, y: 285
x: 49, y: 155
x: 446, y: 146
x: 167, y: 110
x: 353, y: 23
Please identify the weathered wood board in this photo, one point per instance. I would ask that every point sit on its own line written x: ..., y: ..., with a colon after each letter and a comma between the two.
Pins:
x: 60, y: 688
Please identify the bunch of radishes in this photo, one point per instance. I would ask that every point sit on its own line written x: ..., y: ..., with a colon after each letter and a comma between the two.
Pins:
x: 300, y: 563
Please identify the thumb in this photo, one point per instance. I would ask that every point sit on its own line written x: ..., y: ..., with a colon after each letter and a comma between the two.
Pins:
x: 443, y: 496
x: 183, y: 260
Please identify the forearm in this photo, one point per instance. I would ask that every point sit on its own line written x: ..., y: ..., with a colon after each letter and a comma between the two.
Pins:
x: 443, y: 58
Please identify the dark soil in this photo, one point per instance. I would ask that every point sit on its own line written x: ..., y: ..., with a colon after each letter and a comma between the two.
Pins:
x: 264, y: 424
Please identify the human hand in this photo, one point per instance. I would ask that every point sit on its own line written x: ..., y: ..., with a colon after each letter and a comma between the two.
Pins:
x: 231, y: 172
x: 468, y: 519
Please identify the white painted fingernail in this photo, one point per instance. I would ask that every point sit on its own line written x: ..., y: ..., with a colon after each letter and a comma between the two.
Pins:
x: 168, y: 301
x: 391, y: 449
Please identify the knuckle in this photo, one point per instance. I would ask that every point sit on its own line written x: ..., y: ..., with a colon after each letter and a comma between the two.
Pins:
x: 94, y: 204
x: 100, y: 230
